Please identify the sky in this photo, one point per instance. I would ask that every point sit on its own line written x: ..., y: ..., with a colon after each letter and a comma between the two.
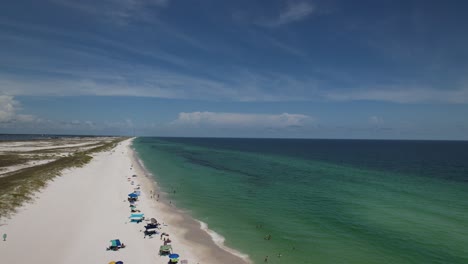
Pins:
x: 244, y: 68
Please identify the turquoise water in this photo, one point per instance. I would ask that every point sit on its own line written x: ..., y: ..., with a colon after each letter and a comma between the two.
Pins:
x: 322, y: 201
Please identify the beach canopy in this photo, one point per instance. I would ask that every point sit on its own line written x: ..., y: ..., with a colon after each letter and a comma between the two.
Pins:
x: 165, y: 248
x: 174, y: 256
x: 133, y: 195
x: 116, y: 243
x: 137, y: 215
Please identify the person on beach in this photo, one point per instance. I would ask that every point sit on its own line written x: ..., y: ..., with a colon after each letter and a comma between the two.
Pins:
x: 266, y: 259
x: 4, y: 237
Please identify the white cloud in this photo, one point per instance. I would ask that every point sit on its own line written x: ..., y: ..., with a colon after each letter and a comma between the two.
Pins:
x: 241, y: 120
x: 376, y: 120
x: 8, y: 109
x: 294, y: 12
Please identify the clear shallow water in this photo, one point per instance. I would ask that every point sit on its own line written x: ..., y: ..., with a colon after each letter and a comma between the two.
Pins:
x: 322, y: 201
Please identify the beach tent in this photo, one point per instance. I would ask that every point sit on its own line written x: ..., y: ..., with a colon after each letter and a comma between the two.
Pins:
x: 116, y: 243
x: 164, y: 250
x: 151, y: 226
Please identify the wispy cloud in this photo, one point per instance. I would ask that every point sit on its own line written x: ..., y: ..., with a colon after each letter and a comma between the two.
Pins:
x: 294, y: 12
x: 402, y: 94
x: 241, y: 120
x: 116, y: 10
x: 48, y: 67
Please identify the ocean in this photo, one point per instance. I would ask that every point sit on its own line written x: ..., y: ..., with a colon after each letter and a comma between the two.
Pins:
x: 321, y: 201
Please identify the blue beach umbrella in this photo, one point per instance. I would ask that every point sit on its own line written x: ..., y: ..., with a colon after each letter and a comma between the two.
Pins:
x: 133, y: 195
x: 174, y: 256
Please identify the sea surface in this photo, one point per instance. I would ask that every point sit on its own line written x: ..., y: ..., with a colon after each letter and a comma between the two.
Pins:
x: 321, y: 201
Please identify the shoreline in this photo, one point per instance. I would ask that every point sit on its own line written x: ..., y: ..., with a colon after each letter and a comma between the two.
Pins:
x: 196, y: 232
x: 73, y: 218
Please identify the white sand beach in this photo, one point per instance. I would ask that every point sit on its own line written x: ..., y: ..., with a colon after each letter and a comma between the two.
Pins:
x: 74, y: 218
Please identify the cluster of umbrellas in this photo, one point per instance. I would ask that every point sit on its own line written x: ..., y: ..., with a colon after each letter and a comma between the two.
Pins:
x: 174, y: 258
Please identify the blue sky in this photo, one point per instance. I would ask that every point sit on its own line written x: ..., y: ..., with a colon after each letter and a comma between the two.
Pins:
x: 277, y: 68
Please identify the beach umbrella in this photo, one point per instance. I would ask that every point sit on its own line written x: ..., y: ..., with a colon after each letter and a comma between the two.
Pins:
x: 112, y: 262
x: 119, y: 262
x: 133, y: 195
x: 174, y: 256
x: 153, y: 220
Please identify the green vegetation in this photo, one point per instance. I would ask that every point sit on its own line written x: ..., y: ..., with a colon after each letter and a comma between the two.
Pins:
x: 62, y: 149
x: 18, y: 187
x: 10, y: 160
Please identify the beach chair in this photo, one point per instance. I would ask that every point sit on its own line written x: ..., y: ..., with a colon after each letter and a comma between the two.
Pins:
x: 150, y: 232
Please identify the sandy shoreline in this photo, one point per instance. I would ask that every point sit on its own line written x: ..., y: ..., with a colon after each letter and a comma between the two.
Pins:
x: 73, y: 219
x: 197, y: 238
